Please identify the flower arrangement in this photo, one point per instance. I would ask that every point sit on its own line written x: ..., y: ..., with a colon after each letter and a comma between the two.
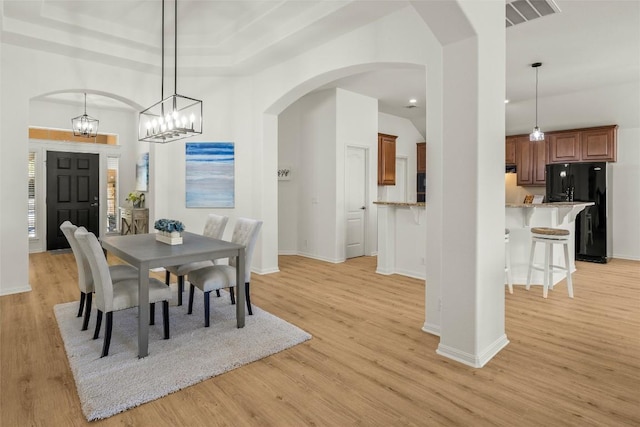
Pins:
x: 168, y: 225
x: 169, y: 231
x: 136, y: 198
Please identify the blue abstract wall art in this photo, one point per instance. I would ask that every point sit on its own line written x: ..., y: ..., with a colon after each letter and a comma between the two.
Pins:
x: 210, y: 175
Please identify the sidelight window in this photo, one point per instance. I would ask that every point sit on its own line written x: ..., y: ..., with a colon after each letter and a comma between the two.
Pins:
x: 31, y: 200
x: 112, y: 194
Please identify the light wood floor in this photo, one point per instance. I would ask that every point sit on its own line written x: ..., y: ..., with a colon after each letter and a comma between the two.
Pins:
x: 570, y: 362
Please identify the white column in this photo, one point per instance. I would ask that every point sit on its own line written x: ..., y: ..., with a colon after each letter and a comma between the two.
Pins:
x: 472, y: 288
x: 386, y: 239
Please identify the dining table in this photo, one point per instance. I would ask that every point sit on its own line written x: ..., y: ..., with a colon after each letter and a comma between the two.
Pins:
x: 144, y: 252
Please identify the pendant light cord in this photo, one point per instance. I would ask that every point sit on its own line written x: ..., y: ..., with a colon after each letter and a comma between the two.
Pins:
x: 162, y: 81
x: 85, y: 103
x: 536, y: 97
x: 175, y: 49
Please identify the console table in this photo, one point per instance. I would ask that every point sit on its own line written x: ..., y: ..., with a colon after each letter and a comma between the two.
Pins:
x: 134, y: 220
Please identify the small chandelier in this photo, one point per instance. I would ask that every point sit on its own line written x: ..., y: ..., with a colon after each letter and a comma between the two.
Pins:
x: 537, y: 134
x: 84, y: 125
x: 174, y: 117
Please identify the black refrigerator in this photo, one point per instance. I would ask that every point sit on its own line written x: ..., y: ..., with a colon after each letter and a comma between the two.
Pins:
x: 583, y: 182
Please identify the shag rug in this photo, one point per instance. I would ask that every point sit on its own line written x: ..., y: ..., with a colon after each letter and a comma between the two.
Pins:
x: 120, y: 381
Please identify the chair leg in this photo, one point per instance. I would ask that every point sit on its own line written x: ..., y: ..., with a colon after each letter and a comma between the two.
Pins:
x: 533, y: 249
x: 96, y: 333
x: 167, y: 278
x: 81, y: 308
x: 191, y: 291
x: 180, y: 289
x: 165, y: 318
x: 87, y: 312
x: 568, y: 265
x: 550, y: 267
x: 248, y: 298
x: 152, y: 313
x: 508, y: 270
x: 218, y: 293
x: 232, y: 293
x: 107, y: 334
x: 206, y: 309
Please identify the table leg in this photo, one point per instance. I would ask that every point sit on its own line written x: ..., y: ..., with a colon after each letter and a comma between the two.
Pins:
x: 240, y: 297
x: 143, y: 310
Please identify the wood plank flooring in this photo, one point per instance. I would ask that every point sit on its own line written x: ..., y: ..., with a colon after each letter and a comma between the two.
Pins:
x: 570, y: 362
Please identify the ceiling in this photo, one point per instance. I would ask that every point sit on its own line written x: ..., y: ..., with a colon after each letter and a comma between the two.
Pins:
x: 588, y: 44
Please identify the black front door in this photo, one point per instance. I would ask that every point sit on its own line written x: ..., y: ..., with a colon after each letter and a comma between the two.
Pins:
x: 72, y: 194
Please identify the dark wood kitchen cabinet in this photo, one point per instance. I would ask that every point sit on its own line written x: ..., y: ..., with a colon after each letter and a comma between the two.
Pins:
x: 531, y: 161
x: 597, y: 144
x: 510, y: 150
x: 386, y: 159
x: 421, y: 156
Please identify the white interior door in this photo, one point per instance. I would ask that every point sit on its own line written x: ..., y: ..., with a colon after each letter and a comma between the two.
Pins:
x: 356, y: 202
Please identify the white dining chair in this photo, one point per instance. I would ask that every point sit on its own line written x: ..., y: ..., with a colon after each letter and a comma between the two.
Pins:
x: 217, y: 277
x: 214, y: 228
x: 120, y: 295
x: 85, y: 280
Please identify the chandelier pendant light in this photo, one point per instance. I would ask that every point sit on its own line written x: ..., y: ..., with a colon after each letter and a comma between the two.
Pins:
x: 537, y: 134
x: 174, y: 117
x: 84, y: 125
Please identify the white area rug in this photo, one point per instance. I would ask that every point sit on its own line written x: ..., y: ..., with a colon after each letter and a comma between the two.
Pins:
x: 120, y: 381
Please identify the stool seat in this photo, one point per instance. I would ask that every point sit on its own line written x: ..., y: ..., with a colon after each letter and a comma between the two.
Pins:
x: 546, y: 231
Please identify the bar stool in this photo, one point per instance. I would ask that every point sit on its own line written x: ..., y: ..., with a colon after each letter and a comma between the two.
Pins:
x: 550, y: 237
x: 507, y: 260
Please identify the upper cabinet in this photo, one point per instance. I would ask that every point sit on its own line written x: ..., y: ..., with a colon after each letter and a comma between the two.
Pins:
x: 510, y: 150
x: 531, y: 161
x: 583, y: 145
x: 386, y: 159
x: 421, y: 156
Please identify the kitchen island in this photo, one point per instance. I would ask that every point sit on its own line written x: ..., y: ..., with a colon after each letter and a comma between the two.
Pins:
x: 519, y: 218
x: 402, y: 237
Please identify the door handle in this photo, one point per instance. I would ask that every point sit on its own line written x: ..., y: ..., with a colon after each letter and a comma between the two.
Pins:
x: 94, y: 204
x: 363, y: 208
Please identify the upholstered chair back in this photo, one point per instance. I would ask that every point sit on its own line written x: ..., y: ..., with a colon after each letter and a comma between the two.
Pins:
x: 246, y: 233
x: 215, y: 225
x: 99, y: 269
x: 85, y: 281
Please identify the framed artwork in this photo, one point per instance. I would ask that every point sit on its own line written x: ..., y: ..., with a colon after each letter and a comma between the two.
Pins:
x: 528, y: 199
x: 210, y: 174
x: 284, y: 173
x: 142, y: 172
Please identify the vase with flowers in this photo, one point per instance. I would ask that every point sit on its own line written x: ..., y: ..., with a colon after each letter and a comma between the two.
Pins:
x: 169, y: 231
x: 136, y: 198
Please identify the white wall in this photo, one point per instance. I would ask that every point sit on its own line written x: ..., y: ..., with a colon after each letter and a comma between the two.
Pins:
x: 600, y: 106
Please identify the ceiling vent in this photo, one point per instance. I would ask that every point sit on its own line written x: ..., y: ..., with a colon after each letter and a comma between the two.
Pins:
x: 519, y: 11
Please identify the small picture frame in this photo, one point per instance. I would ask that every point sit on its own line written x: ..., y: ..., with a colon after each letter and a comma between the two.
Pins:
x: 284, y: 173
x: 538, y: 199
x: 528, y: 199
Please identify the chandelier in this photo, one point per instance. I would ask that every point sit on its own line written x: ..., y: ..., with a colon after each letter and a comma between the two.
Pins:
x: 85, y: 125
x: 174, y: 117
x: 537, y: 134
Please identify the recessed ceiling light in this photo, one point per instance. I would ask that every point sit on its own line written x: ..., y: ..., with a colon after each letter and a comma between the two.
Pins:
x: 413, y: 101
x: 506, y: 101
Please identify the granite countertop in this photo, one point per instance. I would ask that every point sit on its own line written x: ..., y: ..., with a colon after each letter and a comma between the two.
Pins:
x: 399, y: 203
x: 547, y: 205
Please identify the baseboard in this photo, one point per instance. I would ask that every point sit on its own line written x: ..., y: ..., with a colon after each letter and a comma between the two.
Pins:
x: 266, y: 271
x: 412, y: 274
x: 288, y: 252
x: 319, y: 258
x: 384, y: 272
x: 431, y: 329
x: 475, y: 361
x: 16, y: 290
x: 627, y: 257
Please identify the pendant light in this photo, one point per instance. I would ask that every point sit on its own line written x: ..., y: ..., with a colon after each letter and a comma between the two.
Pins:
x: 537, y: 134
x: 84, y: 125
x: 174, y: 117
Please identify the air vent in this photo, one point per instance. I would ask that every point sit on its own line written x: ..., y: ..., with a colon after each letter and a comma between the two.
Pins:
x: 520, y: 11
